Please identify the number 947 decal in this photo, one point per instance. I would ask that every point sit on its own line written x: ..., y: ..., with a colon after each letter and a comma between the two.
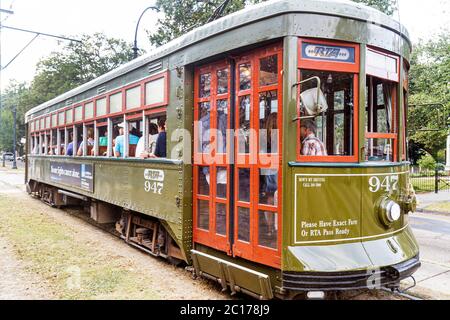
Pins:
x: 154, y: 181
x: 388, y: 183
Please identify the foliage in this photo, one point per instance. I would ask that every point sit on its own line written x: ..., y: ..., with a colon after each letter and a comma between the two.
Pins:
x: 427, y: 162
x: 76, y: 64
x: 181, y: 16
x: 386, y: 6
x: 429, y: 83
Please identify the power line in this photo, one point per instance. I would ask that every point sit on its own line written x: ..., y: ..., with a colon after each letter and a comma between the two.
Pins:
x: 37, y: 34
x: 23, y: 49
x: 41, y: 33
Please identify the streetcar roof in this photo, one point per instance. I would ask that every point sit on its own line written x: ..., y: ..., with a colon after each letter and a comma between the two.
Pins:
x: 261, y: 11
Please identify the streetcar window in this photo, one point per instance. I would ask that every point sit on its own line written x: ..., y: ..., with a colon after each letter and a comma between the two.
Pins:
x: 155, y: 92
x: 62, y: 137
x: 53, y: 142
x: 100, y: 106
x: 69, y: 116
x: 204, y: 127
x: 330, y: 132
x: 54, y: 120
x: 133, y: 98
x: 205, y: 85
x: 268, y: 122
x: 89, y: 110
x: 381, y: 128
x: 268, y: 72
x: 87, y: 141
x: 61, y: 118
x: 244, y: 125
x: 268, y: 186
x: 222, y: 124
x: 115, y: 103
x: 102, y: 134
x: 222, y: 81
x: 244, y: 224
x: 78, y: 114
x: 221, y: 219
x: 68, y: 141
x: 77, y: 139
x: 245, y: 76
x: 203, y: 215
x: 268, y: 229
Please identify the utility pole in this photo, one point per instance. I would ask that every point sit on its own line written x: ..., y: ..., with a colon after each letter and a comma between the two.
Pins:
x: 1, y: 106
x: 447, y: 167
x: 14, y: 166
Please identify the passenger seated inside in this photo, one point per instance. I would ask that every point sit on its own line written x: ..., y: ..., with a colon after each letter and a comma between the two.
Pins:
x: 119, y: 143
x: 143, y: 153
x: 311, y: 145
x: 90, y: 143
x: 69, y: 151
x: 102, y: 145
x: 161, y: 144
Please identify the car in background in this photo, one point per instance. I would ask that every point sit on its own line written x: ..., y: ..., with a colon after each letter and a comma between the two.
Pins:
x: 9, y: 156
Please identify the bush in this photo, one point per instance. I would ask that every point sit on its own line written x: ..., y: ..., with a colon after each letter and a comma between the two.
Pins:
x: 427, y: 162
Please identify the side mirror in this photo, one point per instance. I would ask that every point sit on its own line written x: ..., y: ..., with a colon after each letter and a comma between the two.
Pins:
x: 313, y: 101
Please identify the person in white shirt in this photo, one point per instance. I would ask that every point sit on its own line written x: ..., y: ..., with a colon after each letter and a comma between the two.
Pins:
x: 152, y: 137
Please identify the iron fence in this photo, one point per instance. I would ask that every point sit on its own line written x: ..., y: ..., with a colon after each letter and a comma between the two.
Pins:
x: 430, y: 180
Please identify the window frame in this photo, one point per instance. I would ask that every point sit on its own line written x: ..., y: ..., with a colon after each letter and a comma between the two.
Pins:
x: 332, y: 66
x: 127, y: 114
x: 394, y: 134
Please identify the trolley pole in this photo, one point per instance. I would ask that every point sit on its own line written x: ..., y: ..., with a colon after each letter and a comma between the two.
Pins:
x: 14, y: 166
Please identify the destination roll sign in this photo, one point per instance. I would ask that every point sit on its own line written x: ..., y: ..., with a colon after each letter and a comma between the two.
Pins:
x: 329, y: 53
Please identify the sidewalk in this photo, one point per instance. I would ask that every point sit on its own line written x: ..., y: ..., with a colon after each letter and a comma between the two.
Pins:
x: 427, y: 202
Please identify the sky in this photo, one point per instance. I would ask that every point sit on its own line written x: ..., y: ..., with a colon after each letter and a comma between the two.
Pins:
x: 423, y: 18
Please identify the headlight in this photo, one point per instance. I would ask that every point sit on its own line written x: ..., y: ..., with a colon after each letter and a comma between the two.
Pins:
x: 393, y: 211
x: 389, y: 211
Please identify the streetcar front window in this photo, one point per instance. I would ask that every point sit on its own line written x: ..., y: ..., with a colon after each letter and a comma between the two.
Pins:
x: 381, y: 115
x: 331, y: 132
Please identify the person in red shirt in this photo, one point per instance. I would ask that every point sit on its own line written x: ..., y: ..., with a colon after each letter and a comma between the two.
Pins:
x: 311, y: 145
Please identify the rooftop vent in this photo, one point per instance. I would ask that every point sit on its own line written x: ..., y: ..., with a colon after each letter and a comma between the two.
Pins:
x: 155, y: 66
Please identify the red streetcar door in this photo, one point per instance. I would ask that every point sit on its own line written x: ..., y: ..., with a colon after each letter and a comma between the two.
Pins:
x: 211, y: 163
x: 258, y: 181
x: 237, y: 162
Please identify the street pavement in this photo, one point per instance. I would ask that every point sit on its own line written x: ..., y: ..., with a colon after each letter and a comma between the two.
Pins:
x: 431, y: 230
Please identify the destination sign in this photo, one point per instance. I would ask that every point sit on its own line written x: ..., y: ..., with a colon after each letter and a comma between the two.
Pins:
x: 328, y: 53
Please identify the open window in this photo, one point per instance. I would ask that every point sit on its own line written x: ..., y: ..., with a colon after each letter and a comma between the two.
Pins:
x: 327, y: 102
x: 381, y: 107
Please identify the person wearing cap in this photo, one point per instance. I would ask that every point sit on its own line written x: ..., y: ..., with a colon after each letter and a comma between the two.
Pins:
x: 132, y: 140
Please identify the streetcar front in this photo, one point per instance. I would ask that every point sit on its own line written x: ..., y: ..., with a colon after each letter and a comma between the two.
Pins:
x: 346, y: 225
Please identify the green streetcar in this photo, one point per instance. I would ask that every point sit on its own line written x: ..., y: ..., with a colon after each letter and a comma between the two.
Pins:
x: 285, y: 167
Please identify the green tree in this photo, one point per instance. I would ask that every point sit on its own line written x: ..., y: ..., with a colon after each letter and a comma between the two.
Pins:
x: 77, y: 64
x: 429, y: 83
x: 386, y: 6
x: 74, y: 65
x: 13, y: 98
x: 181, y: 16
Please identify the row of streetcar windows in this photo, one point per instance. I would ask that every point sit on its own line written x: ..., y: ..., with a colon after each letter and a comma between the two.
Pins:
x: 92, y: 139
x: 329, y: 132
x: 101, y: 127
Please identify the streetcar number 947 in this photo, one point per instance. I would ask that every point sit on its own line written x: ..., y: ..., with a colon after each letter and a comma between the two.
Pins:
x: 154, y: 187
x: 388, y: 183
